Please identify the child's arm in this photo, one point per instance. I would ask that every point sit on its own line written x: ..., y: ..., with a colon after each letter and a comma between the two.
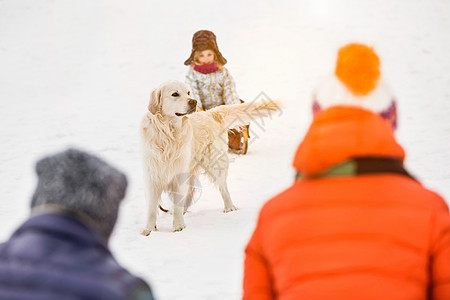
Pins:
x: 230, y: 95
x: 192, y: 82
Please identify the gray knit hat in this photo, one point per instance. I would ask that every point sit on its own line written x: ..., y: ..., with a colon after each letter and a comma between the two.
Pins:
x: 81, y: 183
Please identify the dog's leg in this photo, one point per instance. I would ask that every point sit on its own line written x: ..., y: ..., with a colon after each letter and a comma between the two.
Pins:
x: 178, y: 219
x: 153, y: 197
x: 221, y: 174
x: 218, y: 173
x: 190, y: 194
x: 228, y: 204
x: 178, y: 190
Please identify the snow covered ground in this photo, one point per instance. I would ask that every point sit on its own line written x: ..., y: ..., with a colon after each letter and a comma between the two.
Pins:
x: 80, y: 73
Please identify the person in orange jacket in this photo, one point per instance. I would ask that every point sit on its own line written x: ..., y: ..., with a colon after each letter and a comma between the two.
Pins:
x: 355, y: 224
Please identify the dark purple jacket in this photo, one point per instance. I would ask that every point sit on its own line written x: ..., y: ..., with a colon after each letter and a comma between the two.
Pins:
x: 54, y: 256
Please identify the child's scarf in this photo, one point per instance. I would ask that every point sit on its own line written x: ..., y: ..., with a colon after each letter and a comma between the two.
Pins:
x: 206, y: 69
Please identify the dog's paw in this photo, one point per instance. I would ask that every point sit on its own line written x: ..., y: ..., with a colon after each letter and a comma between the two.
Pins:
x: 147, y: 231
x: 228, y: 209
x: 178, y: 227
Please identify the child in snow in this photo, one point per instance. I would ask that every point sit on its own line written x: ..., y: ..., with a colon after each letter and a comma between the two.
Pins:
x: 210, y: 82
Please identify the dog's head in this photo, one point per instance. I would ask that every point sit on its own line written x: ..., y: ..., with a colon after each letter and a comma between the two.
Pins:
x: 172, y: 99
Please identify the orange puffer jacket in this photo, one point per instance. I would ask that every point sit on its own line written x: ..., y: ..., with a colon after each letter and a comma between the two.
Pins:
x: 373, y: 236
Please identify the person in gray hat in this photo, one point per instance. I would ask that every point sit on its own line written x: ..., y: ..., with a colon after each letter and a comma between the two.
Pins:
x: 61, y: 252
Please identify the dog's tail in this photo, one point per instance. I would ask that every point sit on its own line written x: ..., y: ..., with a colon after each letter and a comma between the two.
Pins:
x: 231, y: 116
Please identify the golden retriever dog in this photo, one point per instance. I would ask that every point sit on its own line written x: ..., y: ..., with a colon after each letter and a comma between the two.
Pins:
x: 178, y: 142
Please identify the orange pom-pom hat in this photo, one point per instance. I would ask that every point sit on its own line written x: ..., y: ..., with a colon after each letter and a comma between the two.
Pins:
x: 357, y: 82
x: 358, y: 67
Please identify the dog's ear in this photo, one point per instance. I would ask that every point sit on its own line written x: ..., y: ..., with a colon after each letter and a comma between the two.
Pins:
x: 155, y: 101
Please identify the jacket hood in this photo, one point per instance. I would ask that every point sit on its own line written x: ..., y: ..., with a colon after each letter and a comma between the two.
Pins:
x: 340, y: 133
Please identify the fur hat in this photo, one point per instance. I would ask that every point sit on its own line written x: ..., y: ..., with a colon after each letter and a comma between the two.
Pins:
x: 81, y: 184
x: 357, y: 82
x: 205, y: 40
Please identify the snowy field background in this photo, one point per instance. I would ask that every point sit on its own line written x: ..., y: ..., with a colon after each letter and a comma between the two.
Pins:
x: 79, y: 73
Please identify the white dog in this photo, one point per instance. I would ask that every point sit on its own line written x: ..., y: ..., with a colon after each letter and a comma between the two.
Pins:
x: 177, y: 142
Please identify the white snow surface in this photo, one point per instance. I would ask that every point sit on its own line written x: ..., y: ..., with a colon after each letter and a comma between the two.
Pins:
x: 79, y: 73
